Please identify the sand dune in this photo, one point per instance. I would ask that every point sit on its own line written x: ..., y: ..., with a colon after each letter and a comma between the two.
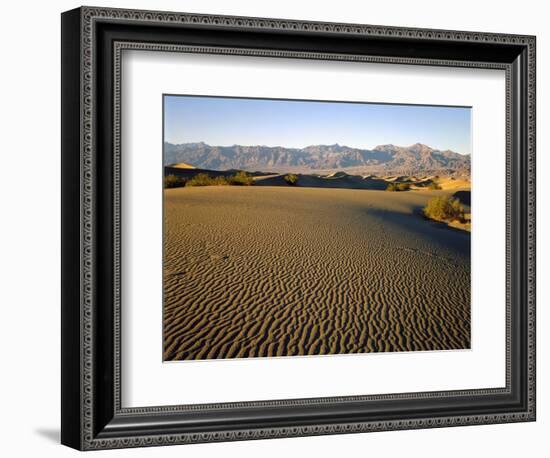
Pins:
x: 335, y: 180
x: 182, y: 165
x: 276, y: 271
x: 453, y: 184
x: 346, y: 181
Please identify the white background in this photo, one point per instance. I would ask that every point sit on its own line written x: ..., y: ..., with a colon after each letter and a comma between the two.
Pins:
x: 147, y: 76
x: 29, y: 241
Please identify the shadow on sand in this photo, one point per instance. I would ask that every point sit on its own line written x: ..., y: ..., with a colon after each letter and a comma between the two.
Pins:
x: 454, y: 240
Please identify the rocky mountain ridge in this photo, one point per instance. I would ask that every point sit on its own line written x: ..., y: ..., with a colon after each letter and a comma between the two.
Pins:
x: 414, y: 159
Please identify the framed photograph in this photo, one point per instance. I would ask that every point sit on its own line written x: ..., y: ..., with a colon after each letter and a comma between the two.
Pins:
x: 276, y: 228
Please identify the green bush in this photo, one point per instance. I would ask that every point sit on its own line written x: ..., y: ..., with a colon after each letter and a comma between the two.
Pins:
x: 291, y: 179
x: 444, y: 208
x: 396, y: 187
x: 240, y: 179
x: 172, y: 181
x: 203, y: 179
x: 433, y: 185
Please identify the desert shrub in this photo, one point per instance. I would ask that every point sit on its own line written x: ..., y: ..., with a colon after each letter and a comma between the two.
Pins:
x: 396, y: 187
x: 240, y: 179
x: 219, y: 181
x: 433, y: 185
x: 291, y: 178
x: 403, y: 187
x: 172, y: 181
x: 444, y: 208
x: 203, y: 179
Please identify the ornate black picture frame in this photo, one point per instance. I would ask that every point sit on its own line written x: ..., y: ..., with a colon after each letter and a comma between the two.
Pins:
x: 92, y: 42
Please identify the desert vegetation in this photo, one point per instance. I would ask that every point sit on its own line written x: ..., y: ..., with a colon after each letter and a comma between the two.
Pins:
x: 172, y: 181
x: 434, y: 186
x: 396, y: 187
x: 291, y: 179
x: 203, y: 179
x: 445, y: 208
x: 240, y: 179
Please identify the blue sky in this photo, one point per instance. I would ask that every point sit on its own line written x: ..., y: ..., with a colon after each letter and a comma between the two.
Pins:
x: 224, y: 121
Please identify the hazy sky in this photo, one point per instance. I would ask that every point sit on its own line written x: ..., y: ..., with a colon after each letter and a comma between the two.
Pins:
x: 223, y: 121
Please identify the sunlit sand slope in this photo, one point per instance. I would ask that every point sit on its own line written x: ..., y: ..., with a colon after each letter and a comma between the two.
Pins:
x: 275, y: 271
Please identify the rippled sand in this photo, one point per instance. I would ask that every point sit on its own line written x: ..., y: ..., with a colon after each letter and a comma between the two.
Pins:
x: 280, y: 271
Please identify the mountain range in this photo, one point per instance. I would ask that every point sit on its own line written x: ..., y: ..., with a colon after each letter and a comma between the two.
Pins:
x: 414, y: 159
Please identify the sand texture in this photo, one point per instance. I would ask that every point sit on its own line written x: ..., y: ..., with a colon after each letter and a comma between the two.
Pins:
x: 266, y: 271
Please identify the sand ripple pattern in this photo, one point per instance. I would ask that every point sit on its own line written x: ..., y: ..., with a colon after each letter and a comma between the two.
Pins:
x: 263, y: 272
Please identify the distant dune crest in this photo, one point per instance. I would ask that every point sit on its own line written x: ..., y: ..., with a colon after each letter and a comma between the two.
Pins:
x: 182, y: 165
x: 409, y: 160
